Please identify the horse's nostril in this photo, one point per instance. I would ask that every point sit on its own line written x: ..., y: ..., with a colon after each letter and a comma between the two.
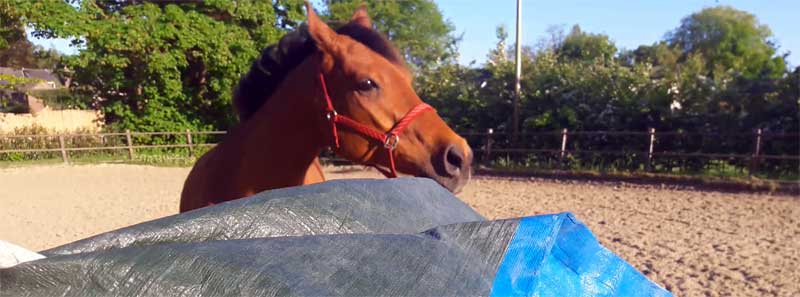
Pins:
x: 454, y: 160
x: 452, y: 165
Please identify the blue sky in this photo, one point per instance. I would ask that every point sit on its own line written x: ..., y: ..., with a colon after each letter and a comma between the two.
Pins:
x: 628, y: 23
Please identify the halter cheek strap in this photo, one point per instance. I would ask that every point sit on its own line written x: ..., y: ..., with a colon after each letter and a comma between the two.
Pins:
x: 389, y: 139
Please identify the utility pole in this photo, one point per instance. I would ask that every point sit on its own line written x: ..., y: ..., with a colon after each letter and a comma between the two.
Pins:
x: 517, y: 87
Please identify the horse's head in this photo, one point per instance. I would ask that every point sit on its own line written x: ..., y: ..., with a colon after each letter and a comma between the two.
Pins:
x: 368, y: 82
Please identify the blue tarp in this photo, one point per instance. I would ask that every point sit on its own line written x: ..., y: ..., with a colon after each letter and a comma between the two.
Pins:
x: 556, y: 255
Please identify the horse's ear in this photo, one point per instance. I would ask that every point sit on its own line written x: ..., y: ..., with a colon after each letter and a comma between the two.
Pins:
x: 323, y: 35
x: 360, y: 16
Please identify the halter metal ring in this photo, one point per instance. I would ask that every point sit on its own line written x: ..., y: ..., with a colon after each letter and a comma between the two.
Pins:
x: 331, y: 115
x: 391, y: 141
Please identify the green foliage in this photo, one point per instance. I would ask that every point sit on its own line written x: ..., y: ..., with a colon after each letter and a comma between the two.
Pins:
x: 11, y: 30
x: 11, y: 82
x: 15, y: 49
x: 161, y: 66
x: 59, y: 99
x: 728, y: 42
x: 471, y: 98
x: 586, y: 46
x: 10, y: 87
x: 27, y: 143
x: 171, y: 65
x: 416, y: 27
x: 580, y: 82
x: 23, y: 53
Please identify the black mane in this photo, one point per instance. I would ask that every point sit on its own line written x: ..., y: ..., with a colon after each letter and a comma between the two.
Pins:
x: 277, y: 60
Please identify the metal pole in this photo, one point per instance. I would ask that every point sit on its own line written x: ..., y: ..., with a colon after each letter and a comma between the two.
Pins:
x: 130, y: 144
x: 517, y: 87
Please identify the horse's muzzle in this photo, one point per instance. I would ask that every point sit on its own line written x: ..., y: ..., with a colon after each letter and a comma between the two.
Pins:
x: 453, y: 166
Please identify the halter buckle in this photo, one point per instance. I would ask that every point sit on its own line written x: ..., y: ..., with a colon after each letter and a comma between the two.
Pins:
x: 391, y: 141
x: 331, y: 115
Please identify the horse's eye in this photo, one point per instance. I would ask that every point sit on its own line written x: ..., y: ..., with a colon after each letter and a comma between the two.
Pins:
x: 367, y: 85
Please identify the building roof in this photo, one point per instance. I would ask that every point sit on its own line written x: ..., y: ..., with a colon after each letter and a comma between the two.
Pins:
x: 41, y: 74
x: 11, y: 71
x: 38, y: 74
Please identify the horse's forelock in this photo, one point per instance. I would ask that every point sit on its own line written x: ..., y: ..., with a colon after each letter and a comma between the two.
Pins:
x: 374, y: 41
x: 277, y: 60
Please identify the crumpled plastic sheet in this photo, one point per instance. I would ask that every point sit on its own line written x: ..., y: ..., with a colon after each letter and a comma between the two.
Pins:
x: 398, y: 206
x: 11, y: 254
x: 405, y: 236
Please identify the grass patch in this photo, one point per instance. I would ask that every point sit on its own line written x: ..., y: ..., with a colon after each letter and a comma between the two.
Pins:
x: 712, y: 169
x: 734, y: 184
x: 162, y: 160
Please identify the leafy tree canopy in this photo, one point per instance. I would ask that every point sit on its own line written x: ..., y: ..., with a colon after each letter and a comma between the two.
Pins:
x: 162, y: 65
x: 579, y: 45
x: 416, y: 27
x: 15, y: 49
x: 168, y: 65
x: 728, y: 40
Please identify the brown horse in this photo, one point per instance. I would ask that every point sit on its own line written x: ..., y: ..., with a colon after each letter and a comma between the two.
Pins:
x: 319, y: 88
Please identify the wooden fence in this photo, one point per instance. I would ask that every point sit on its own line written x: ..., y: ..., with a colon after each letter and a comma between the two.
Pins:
x: 485, y: 148
x: 129, y: 146
x: 646, y: 139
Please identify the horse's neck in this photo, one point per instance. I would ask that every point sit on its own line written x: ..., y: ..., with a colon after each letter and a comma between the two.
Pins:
x: 281, y: 142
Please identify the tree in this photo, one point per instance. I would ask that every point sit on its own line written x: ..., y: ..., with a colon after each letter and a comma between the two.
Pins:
x: 662, y: 57
x: 499, y: 54
x: 582, y: 46
x: 11, y: 29
x: 161, y: 65
x: 15, y: 49
x: 24, y: 54
x: 416, y: 27
x: 469, y: 98
x: 727, y: 72
x: 730, y: 42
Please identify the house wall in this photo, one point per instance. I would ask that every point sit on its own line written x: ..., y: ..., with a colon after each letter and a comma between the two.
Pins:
x: 35, y: 105
x: 44, y: 85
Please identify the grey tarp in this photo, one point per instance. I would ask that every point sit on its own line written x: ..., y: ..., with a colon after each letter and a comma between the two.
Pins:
x: 404, y: 236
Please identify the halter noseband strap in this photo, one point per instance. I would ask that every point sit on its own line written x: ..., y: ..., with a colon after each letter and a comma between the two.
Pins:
x: 389, y: 139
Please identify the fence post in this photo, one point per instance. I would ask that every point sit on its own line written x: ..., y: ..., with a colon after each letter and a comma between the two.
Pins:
x: 189, y: 141
x: 64, y: 155
x: 130, y: 144
x: 754, y: 158
x: 488, y: 152
x: 563, y: 147
x: 652, y: 134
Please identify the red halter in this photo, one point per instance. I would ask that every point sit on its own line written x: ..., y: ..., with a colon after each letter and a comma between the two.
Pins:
x: 389, y: 139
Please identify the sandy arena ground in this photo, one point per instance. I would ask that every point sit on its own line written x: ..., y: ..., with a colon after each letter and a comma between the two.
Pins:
x: 695, y: 243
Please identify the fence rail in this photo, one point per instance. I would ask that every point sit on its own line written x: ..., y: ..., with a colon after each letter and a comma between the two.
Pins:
x: 648, y: 146
x: 130, y: 146
x: 485, y: 148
